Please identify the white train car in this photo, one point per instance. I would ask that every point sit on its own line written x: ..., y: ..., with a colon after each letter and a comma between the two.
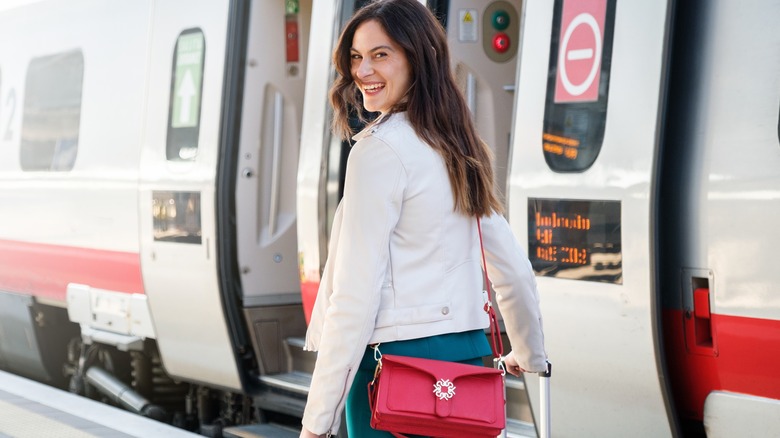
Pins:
x: 147, y: 216
x: 644, y: 181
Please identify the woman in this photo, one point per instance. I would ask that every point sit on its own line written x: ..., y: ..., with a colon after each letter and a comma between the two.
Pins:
x: 404, y: 258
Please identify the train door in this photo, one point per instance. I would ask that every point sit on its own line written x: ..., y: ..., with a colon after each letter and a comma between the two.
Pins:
x: 484, y: 42
x: 265, y: 173
x: 177, y: 191
x: 217, y: 187
x: 584, y: 146
x: 716, y: 214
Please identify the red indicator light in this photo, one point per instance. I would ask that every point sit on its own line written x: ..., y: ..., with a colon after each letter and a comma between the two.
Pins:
x: 501, y: 42
x: 291, y: 31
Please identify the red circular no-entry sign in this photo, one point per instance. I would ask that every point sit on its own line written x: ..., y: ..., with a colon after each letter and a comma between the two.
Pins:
x: 580, y: 51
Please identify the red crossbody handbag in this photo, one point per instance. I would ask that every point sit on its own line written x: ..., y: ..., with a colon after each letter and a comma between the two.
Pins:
x: 437, y: 398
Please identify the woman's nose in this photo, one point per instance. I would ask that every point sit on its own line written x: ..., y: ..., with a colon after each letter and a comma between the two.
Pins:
x: 364, y: 68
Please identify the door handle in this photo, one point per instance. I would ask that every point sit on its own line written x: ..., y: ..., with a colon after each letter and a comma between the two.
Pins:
x: 697, y: 313
x: 276, y: 162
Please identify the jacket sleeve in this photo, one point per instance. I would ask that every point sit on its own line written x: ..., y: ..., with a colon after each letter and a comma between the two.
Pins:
x: 373, y: 194
x: 516, y: 294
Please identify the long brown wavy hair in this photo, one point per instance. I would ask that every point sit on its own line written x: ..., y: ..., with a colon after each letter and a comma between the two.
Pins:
x: 434, y: 104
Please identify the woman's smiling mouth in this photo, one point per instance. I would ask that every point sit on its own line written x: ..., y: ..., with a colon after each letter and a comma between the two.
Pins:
x: 373, y: 88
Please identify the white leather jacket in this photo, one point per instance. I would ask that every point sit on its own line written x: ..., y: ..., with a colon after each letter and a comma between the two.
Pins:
x: 403, y: 264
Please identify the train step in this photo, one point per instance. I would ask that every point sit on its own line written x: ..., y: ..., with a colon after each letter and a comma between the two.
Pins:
x: 519, y: 429
x: 300, y: 360
x: 260, y: 431
x: 286, y: 392
x: 296, y: 382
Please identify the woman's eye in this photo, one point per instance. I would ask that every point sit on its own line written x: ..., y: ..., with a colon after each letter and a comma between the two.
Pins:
x: 380, y: 55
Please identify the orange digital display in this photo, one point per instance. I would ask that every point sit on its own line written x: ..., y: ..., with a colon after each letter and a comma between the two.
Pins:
x: 575, y: 239
x: 563, y: 146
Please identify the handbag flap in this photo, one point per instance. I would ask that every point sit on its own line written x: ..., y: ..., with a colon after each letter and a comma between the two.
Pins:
x: 438, y: 368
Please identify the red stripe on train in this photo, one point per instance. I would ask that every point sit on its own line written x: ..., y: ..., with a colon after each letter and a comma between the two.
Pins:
x: 45, y: 270
x: 744, y: 358
x: 309, y: 295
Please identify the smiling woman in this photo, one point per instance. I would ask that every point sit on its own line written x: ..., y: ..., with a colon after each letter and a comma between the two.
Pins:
x: 417, y: 179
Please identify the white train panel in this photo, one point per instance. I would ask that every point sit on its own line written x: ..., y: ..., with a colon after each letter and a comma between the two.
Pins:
x: 718, y: 199
x: 83, y: 206
x: 599, y: 333
x: 740, y: 200
x: 95, y: 200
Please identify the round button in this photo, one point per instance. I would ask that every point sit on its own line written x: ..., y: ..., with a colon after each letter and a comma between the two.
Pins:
x: 501, y: 42
x: 445, y: 310
x: 500, y: 20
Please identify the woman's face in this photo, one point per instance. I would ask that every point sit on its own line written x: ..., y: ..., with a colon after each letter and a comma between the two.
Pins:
x: 379, y: 67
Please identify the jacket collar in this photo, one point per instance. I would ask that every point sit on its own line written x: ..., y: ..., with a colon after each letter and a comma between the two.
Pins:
x: 374, y: 126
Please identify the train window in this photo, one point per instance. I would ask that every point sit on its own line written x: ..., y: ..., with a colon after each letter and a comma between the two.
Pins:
x: 578, y: 83
x: 176, y: 217
x: 185, y: 97
x: 52, y: 112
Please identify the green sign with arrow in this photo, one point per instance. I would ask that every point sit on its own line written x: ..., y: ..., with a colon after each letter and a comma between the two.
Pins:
x: 188, y: 79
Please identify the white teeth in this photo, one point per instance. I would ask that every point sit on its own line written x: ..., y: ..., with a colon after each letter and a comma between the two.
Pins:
x: 372, y: 87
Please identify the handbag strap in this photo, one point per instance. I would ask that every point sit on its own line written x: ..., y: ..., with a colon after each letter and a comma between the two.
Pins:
x: 496, y: 344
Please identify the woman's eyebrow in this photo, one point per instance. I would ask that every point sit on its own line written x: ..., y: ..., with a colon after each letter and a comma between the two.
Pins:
x: 382, y: 47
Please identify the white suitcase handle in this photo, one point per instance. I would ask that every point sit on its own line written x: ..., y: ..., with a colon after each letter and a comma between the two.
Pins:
x: 544, y: 399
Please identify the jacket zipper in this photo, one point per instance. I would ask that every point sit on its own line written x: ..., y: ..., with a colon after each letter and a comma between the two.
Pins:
x: 343, y: 394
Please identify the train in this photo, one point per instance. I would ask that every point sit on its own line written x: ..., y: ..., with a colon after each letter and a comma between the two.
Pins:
x: 168, y: 181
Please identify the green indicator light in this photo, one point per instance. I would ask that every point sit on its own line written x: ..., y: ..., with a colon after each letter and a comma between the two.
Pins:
x: 291, y: 7
x: 500, y: 20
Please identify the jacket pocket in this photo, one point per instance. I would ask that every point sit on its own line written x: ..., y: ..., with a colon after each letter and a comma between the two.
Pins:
x: 414, y: 315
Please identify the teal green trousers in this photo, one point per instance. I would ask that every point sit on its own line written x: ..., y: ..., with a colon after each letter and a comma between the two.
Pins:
x: 467, y: 347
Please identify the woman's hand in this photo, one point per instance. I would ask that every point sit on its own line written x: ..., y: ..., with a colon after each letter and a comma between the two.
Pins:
x: 306, y: 434
x: 511, y: 365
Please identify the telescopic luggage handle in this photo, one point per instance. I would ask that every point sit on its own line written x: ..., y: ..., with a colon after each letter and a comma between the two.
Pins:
x: 544, y: 401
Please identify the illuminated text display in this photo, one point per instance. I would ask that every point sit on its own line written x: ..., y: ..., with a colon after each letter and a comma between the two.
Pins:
x: 575, y: 239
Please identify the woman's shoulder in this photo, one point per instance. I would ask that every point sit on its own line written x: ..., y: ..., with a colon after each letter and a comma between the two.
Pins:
x: 396, y: 132
x: 387, y: 127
